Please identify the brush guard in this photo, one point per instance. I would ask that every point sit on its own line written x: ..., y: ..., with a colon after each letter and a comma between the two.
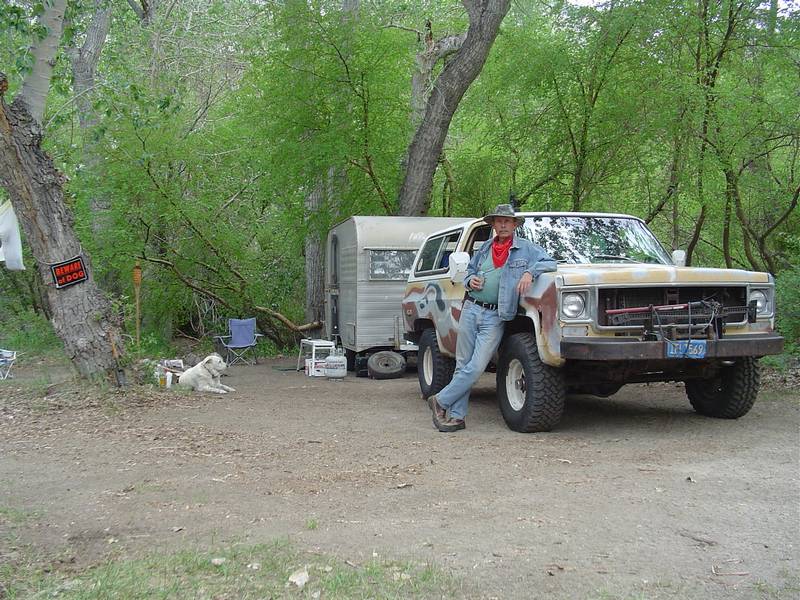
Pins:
x: 684, y: 328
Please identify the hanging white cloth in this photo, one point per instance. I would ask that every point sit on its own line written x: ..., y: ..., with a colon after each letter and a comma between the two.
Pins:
x: 10, y: 243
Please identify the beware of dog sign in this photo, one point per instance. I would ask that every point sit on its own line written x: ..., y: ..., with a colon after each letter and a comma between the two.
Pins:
x: 69, y: 272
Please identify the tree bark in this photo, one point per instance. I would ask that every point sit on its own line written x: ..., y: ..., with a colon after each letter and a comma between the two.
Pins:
x: 698, y: 228
x: 84, y: 65
x: 80, y: 314
x: 37, y: 82
x: 422, y: 79
x: 315, y: 292
x: 322, y: 194
x: 145, y: 10
x: 485, y: 17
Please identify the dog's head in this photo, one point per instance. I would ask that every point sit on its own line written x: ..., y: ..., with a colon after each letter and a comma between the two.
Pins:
x: 214, y: 364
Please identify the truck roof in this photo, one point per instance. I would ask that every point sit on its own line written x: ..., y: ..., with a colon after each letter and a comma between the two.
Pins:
x: 472, y: 220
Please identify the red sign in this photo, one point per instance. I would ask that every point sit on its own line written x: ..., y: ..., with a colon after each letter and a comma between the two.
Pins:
x: 69, y: 272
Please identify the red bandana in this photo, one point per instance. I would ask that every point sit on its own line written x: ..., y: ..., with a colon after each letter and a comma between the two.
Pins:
x: 500, y: 251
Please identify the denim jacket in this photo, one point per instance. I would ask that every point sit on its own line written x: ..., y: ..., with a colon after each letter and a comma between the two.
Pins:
x: 524, y: 257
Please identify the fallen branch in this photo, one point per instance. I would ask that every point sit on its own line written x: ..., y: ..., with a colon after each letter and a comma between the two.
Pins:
x: 288, y: 322
x: 735, y: 574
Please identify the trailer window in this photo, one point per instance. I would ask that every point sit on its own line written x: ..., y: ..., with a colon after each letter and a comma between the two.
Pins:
x: 392, y: 265
x: 435, y: 254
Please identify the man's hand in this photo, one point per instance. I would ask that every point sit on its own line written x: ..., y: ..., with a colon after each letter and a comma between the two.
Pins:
x: 524, y: 283
x: 476, y: 282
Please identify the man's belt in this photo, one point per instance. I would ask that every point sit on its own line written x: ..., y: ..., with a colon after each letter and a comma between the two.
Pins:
x: 485, y: 305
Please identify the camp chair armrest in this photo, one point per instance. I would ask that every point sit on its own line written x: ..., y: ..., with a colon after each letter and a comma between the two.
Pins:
x: 222, y: 337
x: 7, y: 359
x: 258, y: 335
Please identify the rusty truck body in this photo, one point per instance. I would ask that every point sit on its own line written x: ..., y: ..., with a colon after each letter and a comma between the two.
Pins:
x: 619, y: 309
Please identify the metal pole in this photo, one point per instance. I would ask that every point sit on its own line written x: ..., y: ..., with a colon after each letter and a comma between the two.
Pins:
x: 137, y: 282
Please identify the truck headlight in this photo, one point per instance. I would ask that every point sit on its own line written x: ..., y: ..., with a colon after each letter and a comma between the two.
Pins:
x: 761, y: 299
x: 573, y: 305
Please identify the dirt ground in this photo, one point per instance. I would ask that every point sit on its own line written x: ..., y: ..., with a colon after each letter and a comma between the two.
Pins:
x: 632, y: 497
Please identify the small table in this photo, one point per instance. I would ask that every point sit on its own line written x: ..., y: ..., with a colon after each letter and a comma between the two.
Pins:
x: 313, y: 346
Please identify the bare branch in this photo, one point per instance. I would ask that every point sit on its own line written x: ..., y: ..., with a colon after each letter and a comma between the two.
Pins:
x: 404, y: 28
x: 137, y: 9
x: 286, y: 321
x: 233, y: 198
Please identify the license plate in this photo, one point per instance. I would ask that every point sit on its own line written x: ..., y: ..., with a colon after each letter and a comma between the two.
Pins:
x: 686, y: 348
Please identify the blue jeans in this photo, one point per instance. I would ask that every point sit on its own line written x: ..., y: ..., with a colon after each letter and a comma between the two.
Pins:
x: 479, y: 334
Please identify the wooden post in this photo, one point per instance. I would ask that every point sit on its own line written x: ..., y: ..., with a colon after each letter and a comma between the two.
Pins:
x: 137, y: 283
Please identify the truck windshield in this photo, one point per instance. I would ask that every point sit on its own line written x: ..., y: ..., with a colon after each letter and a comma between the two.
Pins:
x: 594, y: 239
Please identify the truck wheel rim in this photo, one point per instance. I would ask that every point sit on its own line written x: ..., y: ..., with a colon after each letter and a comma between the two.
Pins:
x: 515, y: 385
x: 427, y: 366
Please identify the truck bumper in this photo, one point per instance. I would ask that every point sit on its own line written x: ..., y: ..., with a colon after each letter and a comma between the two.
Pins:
x: 731, y: 346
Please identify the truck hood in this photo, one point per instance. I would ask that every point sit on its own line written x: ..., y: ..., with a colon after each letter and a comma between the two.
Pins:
x: 646, y: 274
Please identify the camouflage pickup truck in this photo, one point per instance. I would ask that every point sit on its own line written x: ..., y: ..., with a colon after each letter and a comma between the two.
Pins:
x: 618, y: 310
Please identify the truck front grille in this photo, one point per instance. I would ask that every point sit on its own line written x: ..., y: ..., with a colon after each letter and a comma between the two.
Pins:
x: 674, y: 305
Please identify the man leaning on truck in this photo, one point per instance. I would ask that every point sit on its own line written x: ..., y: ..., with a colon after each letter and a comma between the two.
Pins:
x: 503, y: 268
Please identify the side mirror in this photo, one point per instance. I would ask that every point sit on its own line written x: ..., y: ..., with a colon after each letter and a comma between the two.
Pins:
x: 459, y: 261
x: 679, y: 258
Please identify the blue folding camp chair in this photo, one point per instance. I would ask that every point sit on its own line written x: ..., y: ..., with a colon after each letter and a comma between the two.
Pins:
x: 7, y: 358
x: 241, y: 341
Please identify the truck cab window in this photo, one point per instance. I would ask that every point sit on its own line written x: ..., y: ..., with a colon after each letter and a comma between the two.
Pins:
x: 435, y: 253
x: 479, y: 235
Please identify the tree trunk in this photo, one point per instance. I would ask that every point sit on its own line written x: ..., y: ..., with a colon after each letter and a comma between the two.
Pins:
x: 323, y: 193
x: 698, y: 228
x: 315, y: 293
x: 726, y: 229
x: 84, y: 64
x: 422, y: 78
x: 37, y: 82
x: 145, y: 10
x: 485, y: 17
x: 81, y: 315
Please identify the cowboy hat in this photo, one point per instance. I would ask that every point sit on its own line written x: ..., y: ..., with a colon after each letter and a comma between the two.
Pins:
x: 503, y: 210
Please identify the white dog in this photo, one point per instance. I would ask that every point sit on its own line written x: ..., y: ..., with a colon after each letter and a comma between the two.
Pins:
x: 204, y: 376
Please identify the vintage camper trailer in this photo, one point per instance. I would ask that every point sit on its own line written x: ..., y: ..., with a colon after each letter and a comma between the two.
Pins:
x: 367, y: 263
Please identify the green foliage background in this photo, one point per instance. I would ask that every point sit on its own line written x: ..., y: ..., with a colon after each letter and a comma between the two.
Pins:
x: 215, y: 122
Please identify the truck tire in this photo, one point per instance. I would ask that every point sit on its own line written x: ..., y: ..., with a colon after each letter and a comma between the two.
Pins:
x: 386, y: 365
x: 730, y: 394
x: 531, y: 393
x: 434, y: 369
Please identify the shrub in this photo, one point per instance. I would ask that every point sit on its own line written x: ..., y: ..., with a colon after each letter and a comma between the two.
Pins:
x: 787, y: 290
x: 28, y: 332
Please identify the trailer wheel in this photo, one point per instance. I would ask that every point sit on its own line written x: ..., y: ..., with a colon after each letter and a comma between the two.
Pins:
x: 434, y: 369
x: 386, y: 365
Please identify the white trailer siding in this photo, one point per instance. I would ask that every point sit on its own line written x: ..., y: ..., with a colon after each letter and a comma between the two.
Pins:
x: 368, y: 308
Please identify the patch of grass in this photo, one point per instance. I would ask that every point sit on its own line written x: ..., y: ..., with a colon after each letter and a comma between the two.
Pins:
x: 29, y: 333
x: 779, y: 395
x: 311, y: 524
x: 261, y: 571
x: 151, y: 345
x: 14, y: 516
x: 785, y: 361
x: 151, y: 486
x: 36, y: 388
x: 646, y: 590
x: 788, y: 588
